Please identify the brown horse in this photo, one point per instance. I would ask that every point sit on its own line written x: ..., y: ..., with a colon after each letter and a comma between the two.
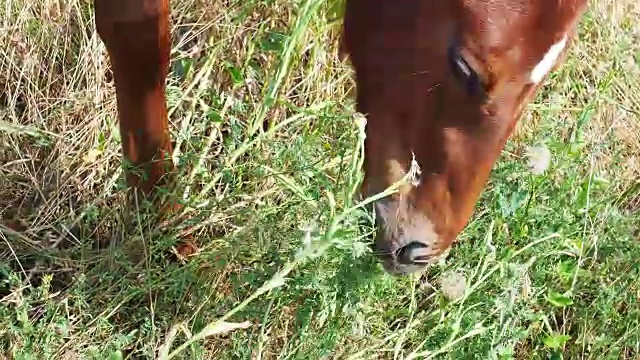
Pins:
x: 440, y: 81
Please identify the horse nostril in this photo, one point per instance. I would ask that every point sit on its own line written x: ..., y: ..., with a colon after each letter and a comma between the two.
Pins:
x: 414, y: 253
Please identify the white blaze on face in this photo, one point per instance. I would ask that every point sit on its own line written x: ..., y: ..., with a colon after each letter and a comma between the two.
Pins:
x: 548, y: 61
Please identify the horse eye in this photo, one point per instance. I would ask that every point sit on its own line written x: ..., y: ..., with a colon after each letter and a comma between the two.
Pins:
x: 463, y: 71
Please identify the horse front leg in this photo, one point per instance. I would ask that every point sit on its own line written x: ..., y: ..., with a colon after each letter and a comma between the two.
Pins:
x: 136, y: 35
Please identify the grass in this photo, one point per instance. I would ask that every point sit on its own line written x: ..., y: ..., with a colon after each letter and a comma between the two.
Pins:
x: 551, y: 261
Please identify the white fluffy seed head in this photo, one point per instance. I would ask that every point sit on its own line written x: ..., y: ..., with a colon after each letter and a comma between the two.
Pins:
x: 453, y: 285
x: 538, y: 159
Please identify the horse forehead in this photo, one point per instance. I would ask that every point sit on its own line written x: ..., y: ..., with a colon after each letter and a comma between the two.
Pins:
x: 514, y: 35
x: 498, y: 23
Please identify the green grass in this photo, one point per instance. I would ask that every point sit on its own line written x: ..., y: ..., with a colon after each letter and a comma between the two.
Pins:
x: 551, y: 261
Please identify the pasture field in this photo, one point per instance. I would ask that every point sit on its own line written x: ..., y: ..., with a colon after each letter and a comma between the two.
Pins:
x: 551, y: 261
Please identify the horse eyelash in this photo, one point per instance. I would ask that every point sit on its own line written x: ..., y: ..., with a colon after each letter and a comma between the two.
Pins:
x: 464, y: 72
